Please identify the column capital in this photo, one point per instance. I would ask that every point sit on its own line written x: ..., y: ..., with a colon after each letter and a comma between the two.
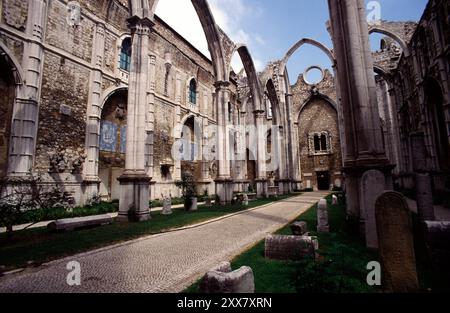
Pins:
x: 140, y: 25
x: 222, y: 85
x: 259, y: 113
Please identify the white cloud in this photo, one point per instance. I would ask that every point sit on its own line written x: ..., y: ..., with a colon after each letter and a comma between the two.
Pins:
x: 228, y: 14
x: 183, y: 18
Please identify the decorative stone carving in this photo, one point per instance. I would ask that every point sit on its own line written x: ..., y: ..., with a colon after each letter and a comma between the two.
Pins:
x: 167, y: 205
x: 290, y: 248
x: 222, y: 280
x: 67, y: 161
x: 121, y: 112
x: 299, y: 228
x: 73, y: 13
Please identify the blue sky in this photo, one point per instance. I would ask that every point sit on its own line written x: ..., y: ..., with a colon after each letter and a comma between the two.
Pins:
x: 271, y: 27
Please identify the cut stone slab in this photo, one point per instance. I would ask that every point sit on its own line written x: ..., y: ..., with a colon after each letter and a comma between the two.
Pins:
x: 299, y: 228
x: 71, y: 224
x: 396, y: 243
x: 222, y: 279
x: 290, y: 248
x: 322, y: 217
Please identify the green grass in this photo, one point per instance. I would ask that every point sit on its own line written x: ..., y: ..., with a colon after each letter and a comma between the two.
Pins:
x: 348, y: 270
x: 37, y: 246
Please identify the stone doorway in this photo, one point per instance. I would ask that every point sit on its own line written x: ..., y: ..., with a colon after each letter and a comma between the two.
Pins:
x: 113, y: 144
x: 323, y: 180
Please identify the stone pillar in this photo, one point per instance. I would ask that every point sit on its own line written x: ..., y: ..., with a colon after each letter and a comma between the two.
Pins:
x: 224, y: 182
x: 177, y: 126
x: 135, y: 183
x: 362, y: 136
x: 261, y: 146
x: 26, y: 107
x: 91, y: 179
x: 293, y: 170
x: 150, y: 117
x: 424, y: 192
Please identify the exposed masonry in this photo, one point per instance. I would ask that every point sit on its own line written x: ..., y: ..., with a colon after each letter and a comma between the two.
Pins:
x: 61, y: 83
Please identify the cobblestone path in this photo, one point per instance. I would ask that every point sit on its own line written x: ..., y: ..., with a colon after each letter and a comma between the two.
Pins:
x: 168, y: 262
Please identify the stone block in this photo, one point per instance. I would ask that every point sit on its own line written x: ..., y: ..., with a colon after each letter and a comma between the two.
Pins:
x: 70, y: 224
x: 222, y: 279
x: 437, y: 237
x: 299, y: 228
x: 290, y: 248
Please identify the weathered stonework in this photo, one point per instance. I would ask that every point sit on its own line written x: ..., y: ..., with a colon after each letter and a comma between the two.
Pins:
x: 316, y: 113
x: 15, y: 13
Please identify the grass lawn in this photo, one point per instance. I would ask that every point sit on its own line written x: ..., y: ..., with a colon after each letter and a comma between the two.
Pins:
x: 37, y: 246
x: 342, y: 267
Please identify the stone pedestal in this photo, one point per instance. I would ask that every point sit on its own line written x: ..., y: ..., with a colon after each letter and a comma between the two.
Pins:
x: 134, y: 198
x: 225, y: 189
x: 424, y: 194
x: 261, y: 188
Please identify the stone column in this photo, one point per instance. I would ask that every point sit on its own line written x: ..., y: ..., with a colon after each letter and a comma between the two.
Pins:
x: 293, y: 171
x: 224, y: 182
x: 177, y: 124
x: 362, y: 136
x: 150, y: 116
x: 26, y: 107
x: 424, y: 192
x: 135, y: 191
x: 91, y: 179
x: 261, y: 146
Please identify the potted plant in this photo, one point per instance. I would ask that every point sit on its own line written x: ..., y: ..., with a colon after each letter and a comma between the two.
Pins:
x: 188, y: 188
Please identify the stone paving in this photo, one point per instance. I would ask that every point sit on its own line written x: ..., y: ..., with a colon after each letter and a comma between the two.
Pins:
x: 167, y: 262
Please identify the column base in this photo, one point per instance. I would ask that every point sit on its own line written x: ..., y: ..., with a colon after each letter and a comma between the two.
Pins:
x: 90, y: 189
x: 361, y: 206
x: 224, y: 190
x: 262, y: 186
x: 285, y: 186
x: 134, y: 198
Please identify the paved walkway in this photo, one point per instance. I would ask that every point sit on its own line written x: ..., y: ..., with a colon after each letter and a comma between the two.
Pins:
x: 163, y: 263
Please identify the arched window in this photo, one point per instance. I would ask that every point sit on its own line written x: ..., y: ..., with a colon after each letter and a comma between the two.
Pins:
x: 193, y: 91
x: 125, y: 55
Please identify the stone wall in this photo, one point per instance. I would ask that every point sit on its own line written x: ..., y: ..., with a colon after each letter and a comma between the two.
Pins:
x: 315, y: 112
x: 62, y: 114
x: 15, y: 14
x: 417, y: 82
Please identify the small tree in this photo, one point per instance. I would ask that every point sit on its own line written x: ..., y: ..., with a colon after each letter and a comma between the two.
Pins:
x: 188, y: 187
x: 27, y: 195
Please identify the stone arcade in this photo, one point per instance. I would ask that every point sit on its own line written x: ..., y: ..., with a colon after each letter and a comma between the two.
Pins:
x: 95, y: 95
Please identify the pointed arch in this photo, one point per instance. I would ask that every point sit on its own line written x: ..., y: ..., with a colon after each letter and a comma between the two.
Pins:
x: 273, y: 98
x: 252, y: 76
x: 14, y: 64
x: 298, y: 45
x: 145, y: 9
x: 383, y: 31
x: 322, y: 96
